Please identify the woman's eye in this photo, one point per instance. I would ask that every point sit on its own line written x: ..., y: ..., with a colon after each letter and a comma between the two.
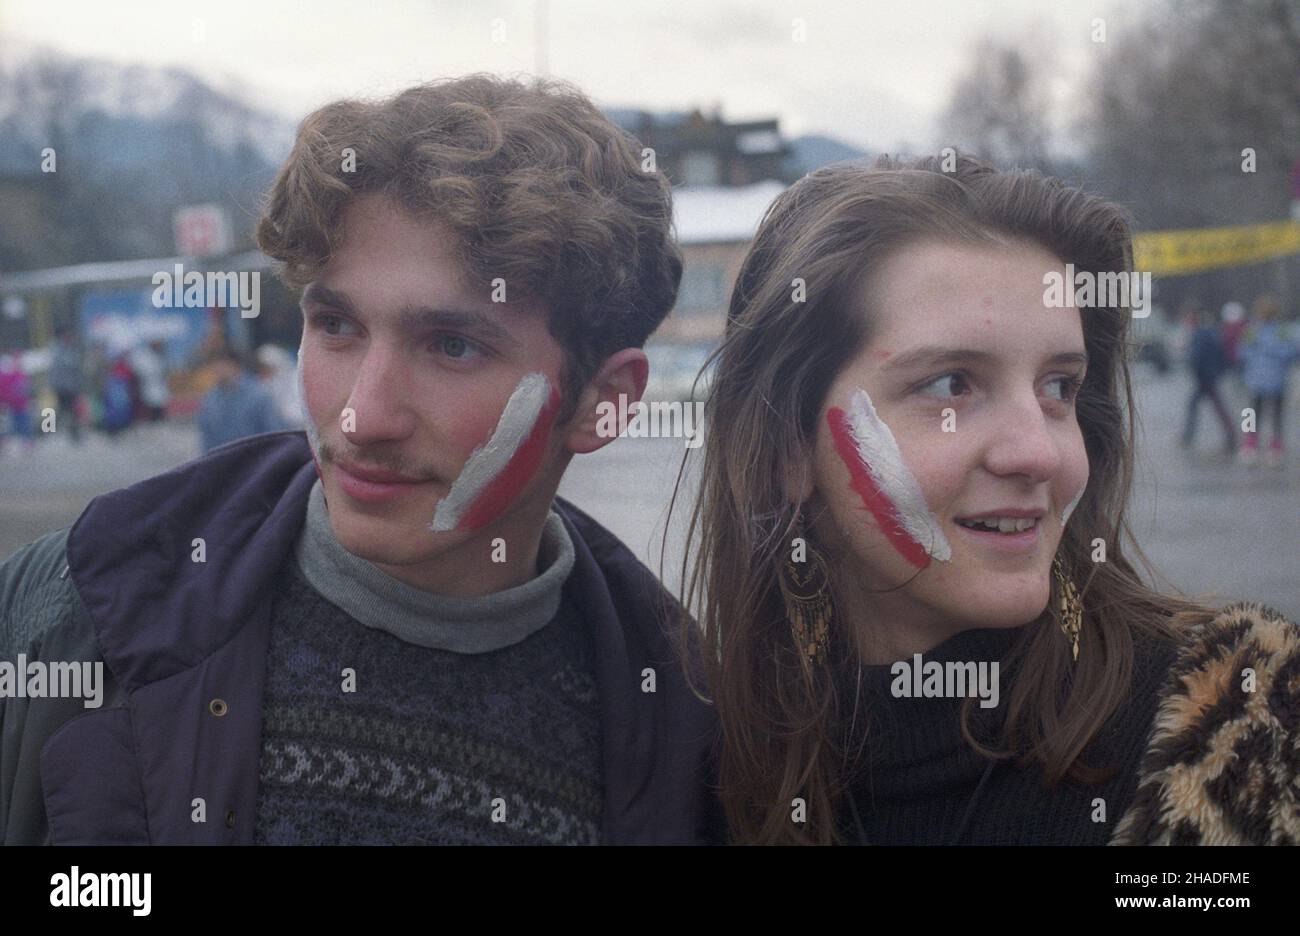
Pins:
x: 953, y: 383
x: 956, y: 384
x: 1069, y: 387
x: 456, y: 347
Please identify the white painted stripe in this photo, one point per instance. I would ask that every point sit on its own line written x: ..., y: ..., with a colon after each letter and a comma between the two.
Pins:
x: 884, y: 459
x: 513, y: 429
x: 1069, y: 508
x: 313, y: 436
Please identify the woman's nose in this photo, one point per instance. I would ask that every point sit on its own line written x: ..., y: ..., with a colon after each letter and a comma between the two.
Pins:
x: 1023, y: 442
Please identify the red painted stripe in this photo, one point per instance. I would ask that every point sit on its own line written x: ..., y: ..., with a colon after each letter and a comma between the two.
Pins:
x: 514, y: 477
x: 320, y: 475
x: 873, y: 498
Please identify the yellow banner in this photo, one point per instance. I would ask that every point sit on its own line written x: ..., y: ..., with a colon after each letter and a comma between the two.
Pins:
x: 1176, y: 253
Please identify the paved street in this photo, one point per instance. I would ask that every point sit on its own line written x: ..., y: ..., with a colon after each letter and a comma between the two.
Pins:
x: 1210, y: 526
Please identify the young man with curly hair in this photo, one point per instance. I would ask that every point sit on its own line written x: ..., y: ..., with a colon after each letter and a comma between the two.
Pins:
x: 396, y: 632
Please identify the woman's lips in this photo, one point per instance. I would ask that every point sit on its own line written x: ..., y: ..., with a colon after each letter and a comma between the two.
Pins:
x: 372, y: 492
x: 1019, y: 543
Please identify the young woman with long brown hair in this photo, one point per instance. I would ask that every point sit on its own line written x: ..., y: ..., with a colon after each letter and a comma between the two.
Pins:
x: 909, y: 546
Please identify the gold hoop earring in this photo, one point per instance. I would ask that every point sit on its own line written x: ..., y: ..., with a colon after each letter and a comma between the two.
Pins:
x: 805, y: 589
x: 1071, y: 607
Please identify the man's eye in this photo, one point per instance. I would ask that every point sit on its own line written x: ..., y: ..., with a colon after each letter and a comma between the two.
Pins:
x: 456, y: 347
x: 330, y: 324
x: 953, y: 382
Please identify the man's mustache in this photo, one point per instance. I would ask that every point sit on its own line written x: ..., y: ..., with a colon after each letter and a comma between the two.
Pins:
x: 328, y: 454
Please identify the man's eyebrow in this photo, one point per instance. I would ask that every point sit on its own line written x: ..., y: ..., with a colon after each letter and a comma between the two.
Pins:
x: 315, y: 292
x: 423, y: 318
x: 419, y: 318
x: 935, y: 355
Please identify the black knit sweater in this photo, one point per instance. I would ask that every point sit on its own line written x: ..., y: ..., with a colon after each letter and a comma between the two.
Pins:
x: 920, y: 783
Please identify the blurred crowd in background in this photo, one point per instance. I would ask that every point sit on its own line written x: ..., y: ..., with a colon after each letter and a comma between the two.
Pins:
x: 1240, y: 360
x: 73, y: 387
x: 1237, y: 359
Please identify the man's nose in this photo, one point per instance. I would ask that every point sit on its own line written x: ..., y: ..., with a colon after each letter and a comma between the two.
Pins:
x: 379, y: 407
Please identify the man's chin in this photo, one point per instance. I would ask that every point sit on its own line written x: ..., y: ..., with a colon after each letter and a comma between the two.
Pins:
x: 383, y: 540
x: 388, y: 551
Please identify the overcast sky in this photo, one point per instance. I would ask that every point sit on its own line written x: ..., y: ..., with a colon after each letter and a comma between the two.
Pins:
x: 875, y: 74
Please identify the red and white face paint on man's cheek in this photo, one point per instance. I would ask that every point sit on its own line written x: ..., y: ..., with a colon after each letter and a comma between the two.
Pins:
x: 501, y: 468
x: 313, y: 434
x: 882, y: 479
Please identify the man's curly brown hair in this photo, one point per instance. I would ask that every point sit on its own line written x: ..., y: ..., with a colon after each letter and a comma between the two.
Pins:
x: 538, y: 187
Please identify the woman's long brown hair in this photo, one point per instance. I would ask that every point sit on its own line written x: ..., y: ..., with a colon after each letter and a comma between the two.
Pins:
x: 785, y: 729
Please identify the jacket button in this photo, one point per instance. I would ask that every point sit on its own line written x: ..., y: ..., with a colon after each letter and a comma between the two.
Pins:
x: 218, y: 707
x: 230, y: 819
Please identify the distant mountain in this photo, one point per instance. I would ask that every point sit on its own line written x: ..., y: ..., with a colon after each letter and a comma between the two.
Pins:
x: 812, y: 151
x: 112, y: 110
x: 132, y: 144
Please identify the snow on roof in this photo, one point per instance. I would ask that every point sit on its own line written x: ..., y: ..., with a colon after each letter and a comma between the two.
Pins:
x: 707, y: 214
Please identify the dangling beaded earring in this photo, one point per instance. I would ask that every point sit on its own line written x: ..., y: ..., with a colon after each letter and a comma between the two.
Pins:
x: 805, y: 589
x: 1070, y: 612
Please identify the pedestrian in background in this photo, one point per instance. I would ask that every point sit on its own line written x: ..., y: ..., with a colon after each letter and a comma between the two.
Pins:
x: 1208, y: 361
x: 68, y: 381
x: 16, y: 397
x: 118, y: 396
x: 1233, y: 316
x: 277, y: 370
x: 236, y: 406
x: 96, y: 365
x: 150, y: 365
x: 1267, y: 355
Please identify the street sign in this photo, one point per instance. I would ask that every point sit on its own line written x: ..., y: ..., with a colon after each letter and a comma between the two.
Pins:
x: 201, y: 230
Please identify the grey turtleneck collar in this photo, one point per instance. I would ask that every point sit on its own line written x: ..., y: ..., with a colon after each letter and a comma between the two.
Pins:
x: 462, y: 625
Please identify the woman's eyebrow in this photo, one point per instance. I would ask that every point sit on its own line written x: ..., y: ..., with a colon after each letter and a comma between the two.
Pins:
x: 934, y: 355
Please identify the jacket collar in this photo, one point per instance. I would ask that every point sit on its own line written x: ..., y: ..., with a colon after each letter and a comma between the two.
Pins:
x: 171, y: 568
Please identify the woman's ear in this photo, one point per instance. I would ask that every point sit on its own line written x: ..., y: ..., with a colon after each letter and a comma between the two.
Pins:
x: 618, y: 384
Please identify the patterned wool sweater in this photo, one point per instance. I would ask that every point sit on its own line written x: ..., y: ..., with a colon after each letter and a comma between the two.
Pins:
x: 468, y: 720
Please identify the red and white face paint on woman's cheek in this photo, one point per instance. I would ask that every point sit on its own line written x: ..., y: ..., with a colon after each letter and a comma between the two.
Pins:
x: 1069, y: 508
x: 501, y: 468
x: 886, y: 485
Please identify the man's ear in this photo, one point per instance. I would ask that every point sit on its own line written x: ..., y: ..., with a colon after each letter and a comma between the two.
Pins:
x: 595, y: 421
